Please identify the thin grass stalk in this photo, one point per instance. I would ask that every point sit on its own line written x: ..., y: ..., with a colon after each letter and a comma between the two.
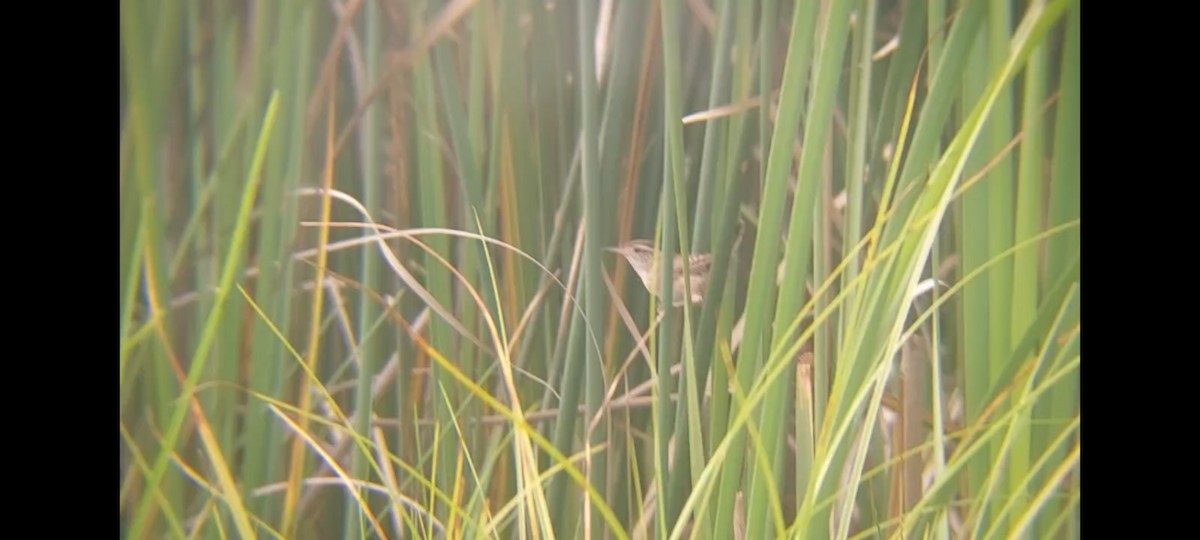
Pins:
x: 674, y: 218
x: 1000, y: 187
x: 157, y: 104
x: 857, y: 162
x: 564, y: 256
x: 130, y: 241
x: 520, y: 186
x: 476, y: 138
x: 1028, y: 221
x: 598, y: 432
x: 1062, y: 250
x: 999, y: 220
x: 201, y: 182
x: 718, y: 94
x: 548, y: 98
x: 616, y: 50
x: 973, y: 252
x: 823, y: 341
x: 129, y: 292
x: 431, y: 187
x: 492, y: 28
x: 723, y: 372
x: 469, y: 180
x: 767, y: 47
x: 370, y: 343
x: 290, y: 70
x: 230, y: 51
x: 1064, y: 199
x: 258, y: 58
x: 271, y: 378
x: 553, y: 156
x: 564, y: 427
x: 936, y: 22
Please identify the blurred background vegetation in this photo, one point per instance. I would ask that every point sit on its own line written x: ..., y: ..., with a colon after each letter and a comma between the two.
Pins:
x: 364, y: 292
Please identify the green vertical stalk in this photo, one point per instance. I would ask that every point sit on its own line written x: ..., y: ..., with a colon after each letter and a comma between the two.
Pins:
x: 999, y: 184
x: 1064, y: 200
x: 476, y: 137
x: 857, y: 161
x: 1062, y: 249
x: 471, y: 194
x: 564, y: 427
x: 937, y: 34
x: 255, y: 468
x: 673, y: 214
x: 431, y: 189
x: 201, y: 180
x: 595, y: 218
x: 525, y: 187
x: 856, y: 169
x: 766, y: 76
x: 1025, y: 285
x: 226, y: 98
x: 561, y: 249
x: 973, y: 249
x: 551, y: 151
x: 856, y: 180
x: 371, y: 342
x: 718, y: 94
x: 766, y: 90
x: 271, y: 368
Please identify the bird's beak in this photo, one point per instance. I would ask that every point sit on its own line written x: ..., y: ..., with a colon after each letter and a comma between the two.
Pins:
x: 613, y: 249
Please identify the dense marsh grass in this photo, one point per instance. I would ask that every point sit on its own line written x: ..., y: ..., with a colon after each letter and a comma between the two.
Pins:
x: 364, y: 291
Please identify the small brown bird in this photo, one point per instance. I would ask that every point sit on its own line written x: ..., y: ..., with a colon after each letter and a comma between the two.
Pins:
x: 644, y: 259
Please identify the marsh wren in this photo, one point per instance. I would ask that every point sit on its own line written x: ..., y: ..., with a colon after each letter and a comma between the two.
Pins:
x: 644, y: 259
